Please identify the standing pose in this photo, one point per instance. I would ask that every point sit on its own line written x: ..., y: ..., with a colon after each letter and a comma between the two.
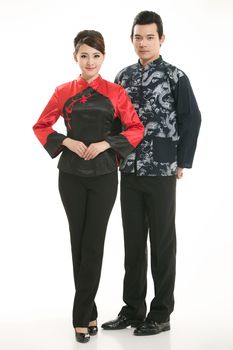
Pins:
x: 163, y: 97
x: 92, y: 108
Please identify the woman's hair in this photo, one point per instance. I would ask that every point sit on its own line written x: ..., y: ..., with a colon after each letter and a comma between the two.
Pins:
x: 148, y: 17
x: 91, y: 38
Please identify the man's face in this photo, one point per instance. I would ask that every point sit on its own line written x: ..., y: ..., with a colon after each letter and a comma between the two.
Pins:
x: 146, y: 42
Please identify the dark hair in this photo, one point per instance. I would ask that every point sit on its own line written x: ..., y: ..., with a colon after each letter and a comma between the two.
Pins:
x: 91, y: 38
x: 148, y: 17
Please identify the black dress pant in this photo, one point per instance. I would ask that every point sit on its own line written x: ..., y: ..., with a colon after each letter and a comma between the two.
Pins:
x: 148, y: 205
x: 88, y: 202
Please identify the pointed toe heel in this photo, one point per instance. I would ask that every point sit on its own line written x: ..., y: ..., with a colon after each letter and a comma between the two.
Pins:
x: 92, y: 330
x: 82, y: 337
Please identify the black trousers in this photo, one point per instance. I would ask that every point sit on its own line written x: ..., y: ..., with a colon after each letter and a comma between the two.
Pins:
x: 148, y: 205
x: 88, y: 202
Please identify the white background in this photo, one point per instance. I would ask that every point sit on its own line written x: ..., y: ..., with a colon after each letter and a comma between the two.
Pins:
x: 36, y: 292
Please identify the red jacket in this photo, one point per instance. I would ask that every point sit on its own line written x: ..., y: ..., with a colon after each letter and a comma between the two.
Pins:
x: 92, y: 112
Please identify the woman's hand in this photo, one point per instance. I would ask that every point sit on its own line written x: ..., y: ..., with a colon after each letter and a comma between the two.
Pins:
x: 75, y: 146
x: 94, y: 149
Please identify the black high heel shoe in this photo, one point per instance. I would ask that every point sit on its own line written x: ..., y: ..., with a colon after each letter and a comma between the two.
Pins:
x: 82, y: 337
x: 92, y: 330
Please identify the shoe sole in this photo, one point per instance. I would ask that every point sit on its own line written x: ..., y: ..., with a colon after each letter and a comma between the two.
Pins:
x: 133, y: 324
x: 162, y: 330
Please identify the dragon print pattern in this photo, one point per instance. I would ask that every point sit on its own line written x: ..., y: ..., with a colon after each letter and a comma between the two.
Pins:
x: 151, y: 89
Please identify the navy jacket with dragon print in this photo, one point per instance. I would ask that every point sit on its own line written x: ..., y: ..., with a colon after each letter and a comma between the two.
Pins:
x: 92, y: 113
x: 164, y: 100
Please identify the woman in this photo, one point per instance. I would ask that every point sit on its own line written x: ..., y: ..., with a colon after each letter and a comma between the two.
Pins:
x: 92, y: 108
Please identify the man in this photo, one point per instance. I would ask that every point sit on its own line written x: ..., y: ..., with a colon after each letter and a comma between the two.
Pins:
x: 164, y: 100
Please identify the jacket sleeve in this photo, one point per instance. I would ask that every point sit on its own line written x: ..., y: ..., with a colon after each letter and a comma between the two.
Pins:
x: 49, y: 138
x: 125, y: 142
x: 189, y: 121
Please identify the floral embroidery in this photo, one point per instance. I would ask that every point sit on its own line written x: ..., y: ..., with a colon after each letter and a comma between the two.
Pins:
x: 84, y: 98
x: 69, y: 109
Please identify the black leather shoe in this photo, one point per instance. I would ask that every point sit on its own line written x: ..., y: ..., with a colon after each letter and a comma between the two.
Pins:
x: 82, y: 337
x: 120, y: 322
x: 92, y: 330
x: 151, y: 328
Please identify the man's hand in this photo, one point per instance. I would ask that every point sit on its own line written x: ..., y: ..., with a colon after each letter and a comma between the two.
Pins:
x: 179, y: 173
x: 94, y: 149
x: 75, y: 146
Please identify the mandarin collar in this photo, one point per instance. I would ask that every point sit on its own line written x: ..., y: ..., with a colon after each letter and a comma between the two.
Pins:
x: 153, y: 64
x: 94, y: 84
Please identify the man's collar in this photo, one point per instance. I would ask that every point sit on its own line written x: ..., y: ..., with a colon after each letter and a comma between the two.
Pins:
x: 152, y: 64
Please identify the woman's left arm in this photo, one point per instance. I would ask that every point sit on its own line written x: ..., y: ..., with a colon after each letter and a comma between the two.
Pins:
x: 125, y: 142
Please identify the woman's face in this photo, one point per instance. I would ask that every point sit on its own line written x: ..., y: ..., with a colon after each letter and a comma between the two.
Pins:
x: 90, y: 61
